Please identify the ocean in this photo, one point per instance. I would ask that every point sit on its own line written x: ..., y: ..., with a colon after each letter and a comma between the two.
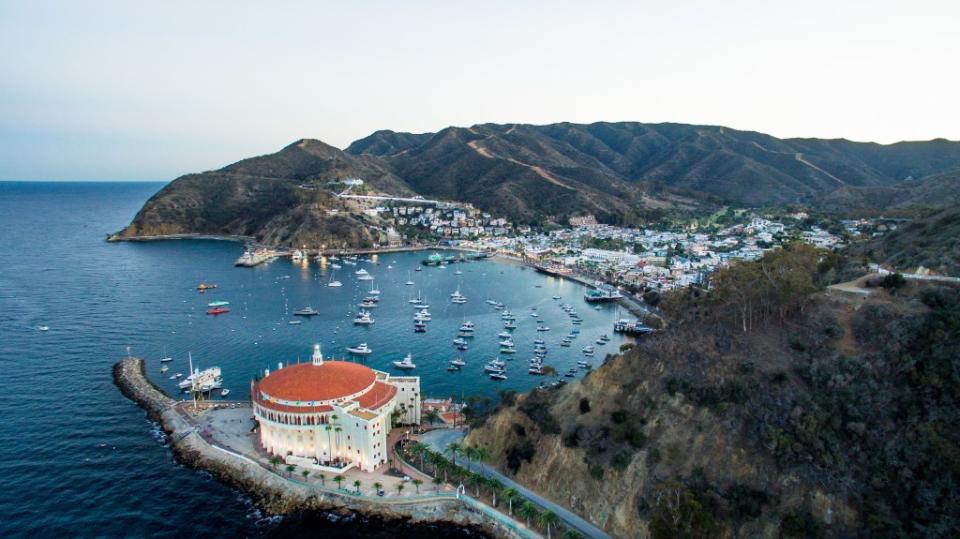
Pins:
x: 79, y: 459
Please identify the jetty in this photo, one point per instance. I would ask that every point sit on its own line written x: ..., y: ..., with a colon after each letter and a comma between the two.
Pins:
x: 215, y: 436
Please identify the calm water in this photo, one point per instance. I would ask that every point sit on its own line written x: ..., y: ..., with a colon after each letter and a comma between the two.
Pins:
x: 77, y: 458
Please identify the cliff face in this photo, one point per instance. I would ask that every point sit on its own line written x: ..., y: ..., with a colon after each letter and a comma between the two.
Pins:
x: 827, y: 417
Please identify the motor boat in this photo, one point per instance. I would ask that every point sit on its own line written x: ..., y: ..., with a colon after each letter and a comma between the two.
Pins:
x: 539, y: 342
x: 295, y: 322
x: 535, y: 370
x: 306, y: 311
x: 367, y: 305
x: 459, y: 362
x: 556, y: 297
x: 363, y: 318
x: 406, y: 363
x: 504, y: 334
x: 510, y: 325
x: 224, y: 392
x: 498, y: 376
x: 218, y: 310
x: 218, y: 304
x: 507, y: 343
x: 543, y: 328
x: 361, y: 349
x: 508, y: 350
x: 467, y: 326
x: 164, y: 369
x: 459, y: 341
x: 363, y: 275
x: 489, y: 367
x: 462, y: 347
x: 419, y: 327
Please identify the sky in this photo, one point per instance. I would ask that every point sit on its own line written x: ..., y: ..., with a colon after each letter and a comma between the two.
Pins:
x: 152, y: 90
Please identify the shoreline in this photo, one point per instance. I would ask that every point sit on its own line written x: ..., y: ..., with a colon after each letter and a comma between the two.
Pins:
x: 280, y: 496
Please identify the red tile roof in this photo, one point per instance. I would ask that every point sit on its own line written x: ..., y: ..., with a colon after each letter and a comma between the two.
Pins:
x: 377, y: 397
x: 309, y: 382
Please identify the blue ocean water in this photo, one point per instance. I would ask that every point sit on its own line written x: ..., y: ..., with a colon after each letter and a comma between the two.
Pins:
x: 78, y: 459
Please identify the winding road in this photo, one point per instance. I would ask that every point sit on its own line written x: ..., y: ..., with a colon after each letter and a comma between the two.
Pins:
x: 438, y: 440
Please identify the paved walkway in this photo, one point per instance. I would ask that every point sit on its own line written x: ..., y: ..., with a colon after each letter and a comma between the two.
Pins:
x: 438, y: 440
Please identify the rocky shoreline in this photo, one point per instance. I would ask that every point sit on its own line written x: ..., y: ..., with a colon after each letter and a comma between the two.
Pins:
x: 277, y: 496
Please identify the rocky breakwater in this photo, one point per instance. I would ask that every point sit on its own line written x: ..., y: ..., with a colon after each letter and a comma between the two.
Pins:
x: 276, y: 495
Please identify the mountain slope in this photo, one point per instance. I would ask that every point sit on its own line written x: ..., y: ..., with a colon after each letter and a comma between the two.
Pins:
x: 767, y: 408
x: 610, y: 162
x: 279, y: 199
x: 932, y: 242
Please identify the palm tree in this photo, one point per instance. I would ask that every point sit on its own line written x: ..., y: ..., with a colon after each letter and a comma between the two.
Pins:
x: 419, y: 449
x: 337, y: 430
x: 437, y: 481
x: 547, y: 519
x: 495, y: 486
x: 399, y: 488
x: 356, y: 484
x: 323, y: 480
x: 378, y: 486
x: 329, y: 428
x: 455, y: 449
x: 290, y: 469
x: 305, y: 473
x: 470, y: 452
x: 481, y: 454
x: 528, y: 511
x: 476, y: 480
x: 417, y: 483
x: 432, y: 416
x: 511, y: 494
x: 338, y: 480
x: 274, y: 462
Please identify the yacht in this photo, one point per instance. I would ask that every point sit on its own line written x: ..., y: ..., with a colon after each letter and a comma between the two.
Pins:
x: 504, y: 334
x: 306, y: 311
x: 165, y: 358
x: 492, y: 302
x: 543, y: 328
x: 406, y: 363
x: 374, y: 291
x: 490, y: 367
x: 333, y: 282
x: 459, y: 362
x: 372, y: 299
x: 458, y: 341
x: 587, y: 349
x: 565, y: 343
x: 535, y: 370
x: 462, y: 347
x: 420, y: 327
x: 297, y: 255
x: 218, y: 304
x: 43, y: 328
x: 605, y: 338
x: 164, y: 369
x: 498, y: 376
x: 418, y: 269
x: 361, y: 349
x: 539, y: 342
x: 363, y: 275
x: 510, y: 325
x: 367, y: 304
x: 460, y: 300
x: 507, y: 343
x: 467, y: 326
x: 556, y: 297
x: 417, y: 300
x: 363, y: 319
x: 175, y: 376
x: 453, y: 368
x: 601, y: 342
x: 509, y: 350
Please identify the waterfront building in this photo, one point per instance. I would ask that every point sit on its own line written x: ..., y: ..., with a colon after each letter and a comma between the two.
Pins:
x: 332, y: 415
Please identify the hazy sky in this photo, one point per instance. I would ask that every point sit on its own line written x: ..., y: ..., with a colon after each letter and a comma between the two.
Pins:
x: 152, y: 90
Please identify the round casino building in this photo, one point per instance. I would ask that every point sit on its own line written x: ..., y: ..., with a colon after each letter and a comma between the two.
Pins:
x: 332, y: 415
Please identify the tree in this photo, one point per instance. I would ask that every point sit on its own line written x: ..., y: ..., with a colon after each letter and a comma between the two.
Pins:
x: 455, y: 449
x: 547, y: 519
x: 419, y: 449
x: 338, y: 480
x: 572, y: 534
x: 274, y: 462
x: 481, y: 454
x: 306, y: 474
x: 476, y: 480
x: 528, y: 511
x: 378, y: 486
x: 356, y: 485
x: 290, y: 469
x: 510, y: 495
x: 399, y: 488
x: 470, y: 452
x: 417, y: 483
x: 495, y: 487
x: 432, y: 416
x: 437, y: 482
x: 323, y: 479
